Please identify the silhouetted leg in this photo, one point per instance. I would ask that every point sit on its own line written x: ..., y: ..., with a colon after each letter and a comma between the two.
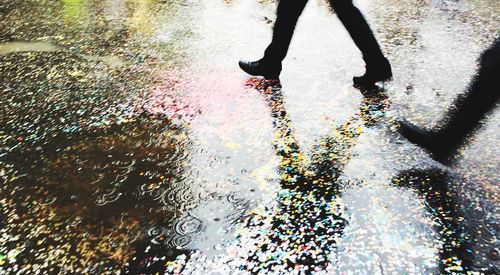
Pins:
x: 481, y: 98
x: 270, y: 65
x: 377, y: 66
x: 287, y: 15
x: 358, y: 29
x: 468, y: 111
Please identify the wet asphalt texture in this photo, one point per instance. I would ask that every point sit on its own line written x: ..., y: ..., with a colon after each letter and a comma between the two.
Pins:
x: 131, y: 142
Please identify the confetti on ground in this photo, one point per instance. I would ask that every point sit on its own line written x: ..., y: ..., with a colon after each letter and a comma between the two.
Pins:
x: 130, y: 142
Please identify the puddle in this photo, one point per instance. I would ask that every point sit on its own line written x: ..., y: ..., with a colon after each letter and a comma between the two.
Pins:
x: 178, y: 162
x: 113, y: 62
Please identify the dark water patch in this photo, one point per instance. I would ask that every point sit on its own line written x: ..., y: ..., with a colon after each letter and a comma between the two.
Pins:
x: 83, y: 175
x: 93, y: 180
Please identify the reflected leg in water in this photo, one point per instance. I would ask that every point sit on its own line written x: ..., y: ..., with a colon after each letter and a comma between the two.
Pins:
x: 463, y: 237
x: 309, y: 216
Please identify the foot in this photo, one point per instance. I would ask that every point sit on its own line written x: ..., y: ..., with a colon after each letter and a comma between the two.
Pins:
x: 440, y: 149
x: 261, y: 68
x: 380, y: 71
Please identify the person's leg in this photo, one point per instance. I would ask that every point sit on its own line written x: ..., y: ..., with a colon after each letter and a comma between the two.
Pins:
x: 467, y: 112
x: 377, y: 66
x: 287, y: 16
x: 269, y: 66
x: 481, y: 97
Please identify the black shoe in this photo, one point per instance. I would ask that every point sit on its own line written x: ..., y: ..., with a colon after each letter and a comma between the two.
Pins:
x: 440, y: 148
x: 261, y: 68
x: 375, y: 72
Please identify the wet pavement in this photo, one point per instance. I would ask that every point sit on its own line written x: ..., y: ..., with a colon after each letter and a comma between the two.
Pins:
x: 130, y: 141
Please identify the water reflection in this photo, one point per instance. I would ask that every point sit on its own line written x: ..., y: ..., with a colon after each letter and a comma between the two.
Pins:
x: 83, y: 177
x: 459, y: 225
x: 104, y: 181
x: 139, y: 166
x: 299, y: 231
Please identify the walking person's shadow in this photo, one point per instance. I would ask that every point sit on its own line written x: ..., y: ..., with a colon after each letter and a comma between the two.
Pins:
x: 309, y: 216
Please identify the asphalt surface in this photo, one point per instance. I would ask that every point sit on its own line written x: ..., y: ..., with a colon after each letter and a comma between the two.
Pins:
x: 130, y: 141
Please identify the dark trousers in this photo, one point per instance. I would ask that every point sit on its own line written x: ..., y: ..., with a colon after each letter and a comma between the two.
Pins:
x: 480, y: 99
x: 288, y: 13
